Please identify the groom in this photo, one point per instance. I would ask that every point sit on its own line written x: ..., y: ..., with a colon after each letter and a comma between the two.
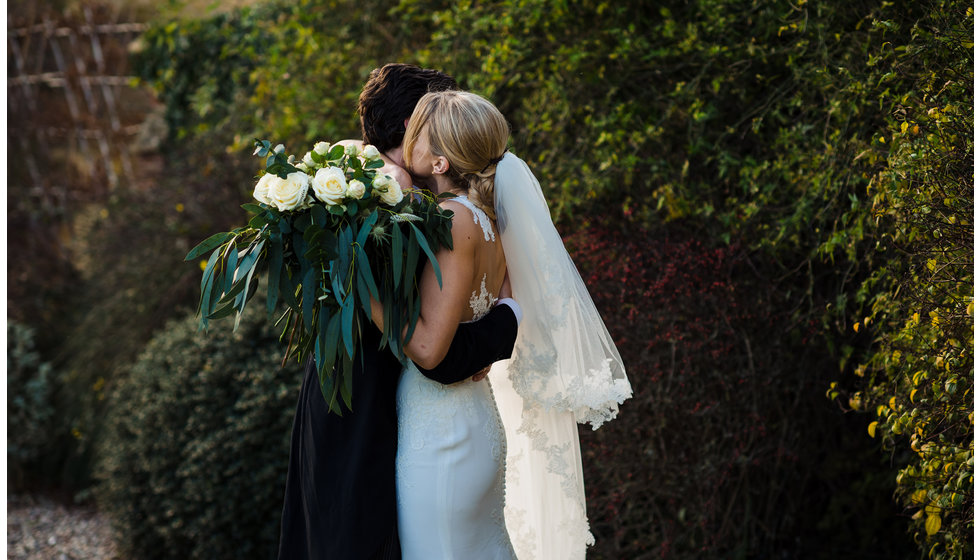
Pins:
x: 340, y: 486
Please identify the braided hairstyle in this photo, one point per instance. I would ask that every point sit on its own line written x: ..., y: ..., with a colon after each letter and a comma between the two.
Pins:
x: 470, y: 133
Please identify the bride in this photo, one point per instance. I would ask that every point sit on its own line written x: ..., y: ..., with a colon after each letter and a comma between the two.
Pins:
x: 453, y: 441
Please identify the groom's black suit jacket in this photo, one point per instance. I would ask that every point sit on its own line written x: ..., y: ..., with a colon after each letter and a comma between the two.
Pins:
x: 340, y: 486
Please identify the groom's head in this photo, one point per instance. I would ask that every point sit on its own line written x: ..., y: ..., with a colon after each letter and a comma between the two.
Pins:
x: 390, y: 96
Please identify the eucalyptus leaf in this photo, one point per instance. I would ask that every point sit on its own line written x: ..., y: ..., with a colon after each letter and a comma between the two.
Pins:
x: 396, y: 254
x: 319, y: 214
x: 208, y: 244
x: 309, y: 297
x: 420, y: 237
x: 364, y: 271
x: 275, y: 268
x: 347, y: 323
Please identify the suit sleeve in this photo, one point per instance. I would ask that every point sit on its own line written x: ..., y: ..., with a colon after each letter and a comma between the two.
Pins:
x: 476, y: 346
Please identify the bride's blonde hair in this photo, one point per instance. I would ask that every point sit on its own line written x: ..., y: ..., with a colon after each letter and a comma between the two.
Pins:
x: 468, y: 131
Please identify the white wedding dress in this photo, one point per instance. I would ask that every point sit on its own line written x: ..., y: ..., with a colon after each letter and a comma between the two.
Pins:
x: 450, y: 461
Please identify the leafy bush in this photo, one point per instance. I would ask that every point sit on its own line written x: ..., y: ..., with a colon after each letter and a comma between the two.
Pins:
x: 130, y: 280
x: 919, y: 378
x: 30, y: 409
x: 735, y: 452
x: 193, y: 463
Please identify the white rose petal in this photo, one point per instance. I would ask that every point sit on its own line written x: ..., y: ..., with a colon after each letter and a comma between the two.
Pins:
x: 388, y: 189
x: 321, y: 148
x: 308, y: 159
x: 307, y: 203
x: 370, y: 152
x: 279, y: 149
x: 355, y: 189
x: 303, y: 167
x: 330, y: 185
x: 261, y: 192
x: 290, y: 193
x: 351, y: 150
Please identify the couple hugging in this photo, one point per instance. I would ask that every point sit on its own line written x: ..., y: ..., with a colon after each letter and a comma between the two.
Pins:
x: 417, y: 470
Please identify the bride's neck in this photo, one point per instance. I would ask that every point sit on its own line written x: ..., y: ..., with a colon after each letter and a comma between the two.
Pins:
x: 442, y: 184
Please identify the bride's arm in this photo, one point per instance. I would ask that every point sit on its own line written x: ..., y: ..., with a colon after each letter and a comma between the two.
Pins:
x: 442, y: 308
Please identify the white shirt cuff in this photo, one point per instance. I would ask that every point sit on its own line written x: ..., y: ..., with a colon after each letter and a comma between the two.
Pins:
x: 514, y: 306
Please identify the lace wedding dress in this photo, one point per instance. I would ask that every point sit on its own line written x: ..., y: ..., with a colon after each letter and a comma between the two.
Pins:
x: 450, y: 461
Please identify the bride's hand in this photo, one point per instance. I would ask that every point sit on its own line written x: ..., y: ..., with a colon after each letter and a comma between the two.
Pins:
x: 481, y: 374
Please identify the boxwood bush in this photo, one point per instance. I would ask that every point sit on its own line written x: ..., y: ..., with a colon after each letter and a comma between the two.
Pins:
x: 193, y: 462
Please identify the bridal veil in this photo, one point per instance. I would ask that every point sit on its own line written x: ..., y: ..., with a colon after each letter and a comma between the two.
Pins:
x: 564, y: 370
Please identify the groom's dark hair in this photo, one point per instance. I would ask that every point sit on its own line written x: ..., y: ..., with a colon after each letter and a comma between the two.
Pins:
x: 390, y: 96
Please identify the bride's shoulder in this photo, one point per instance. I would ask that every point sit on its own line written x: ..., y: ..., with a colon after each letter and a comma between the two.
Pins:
x: 464, y: 226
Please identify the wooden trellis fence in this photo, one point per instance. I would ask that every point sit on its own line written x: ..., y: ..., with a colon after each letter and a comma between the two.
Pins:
x: 72, y: 111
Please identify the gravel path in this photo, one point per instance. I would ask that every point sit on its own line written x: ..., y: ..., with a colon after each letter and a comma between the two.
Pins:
x: 39, y: 528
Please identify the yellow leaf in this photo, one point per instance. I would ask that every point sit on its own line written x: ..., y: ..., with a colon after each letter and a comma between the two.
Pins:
x: 203, y: 264
x: 891, y: 403
x: 915, y: 318
x: 857, y: 327
x: 871, y: 428
x: 931, y: 264
x: 912, y: 395
x: 932, y: 524
x: 905, y: 127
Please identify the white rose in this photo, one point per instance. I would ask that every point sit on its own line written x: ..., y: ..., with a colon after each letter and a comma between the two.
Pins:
x: 302, y: 167
x: 388, y: 189
x: 330, y: 185
x: 261, y: 192
x: 308, y: 159
x: 290, y: 193
x: 307, y: 203
x: 370, y: 152
x: 321, y: 148
x: 355, y: 189
x: 279, y: 149
x: 351, y: 150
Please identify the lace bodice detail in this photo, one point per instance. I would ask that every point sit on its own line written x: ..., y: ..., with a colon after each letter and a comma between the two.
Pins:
x: 481, y: 303
x: 479, y: 217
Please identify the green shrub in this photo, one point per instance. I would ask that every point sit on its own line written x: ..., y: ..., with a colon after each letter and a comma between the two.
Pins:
x: 30, y: 409
x: 919, y: 377
x: 130, y: 280
x: 193, y: 461
x: 733, y: 450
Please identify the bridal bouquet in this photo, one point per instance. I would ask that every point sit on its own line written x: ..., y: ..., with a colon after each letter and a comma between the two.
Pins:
x: 330, y: 232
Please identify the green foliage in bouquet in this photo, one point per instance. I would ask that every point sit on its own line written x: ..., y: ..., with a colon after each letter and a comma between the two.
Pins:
x: 334, y: 233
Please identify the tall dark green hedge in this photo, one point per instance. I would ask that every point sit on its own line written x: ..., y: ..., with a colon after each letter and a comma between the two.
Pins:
x: 192, y: 463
